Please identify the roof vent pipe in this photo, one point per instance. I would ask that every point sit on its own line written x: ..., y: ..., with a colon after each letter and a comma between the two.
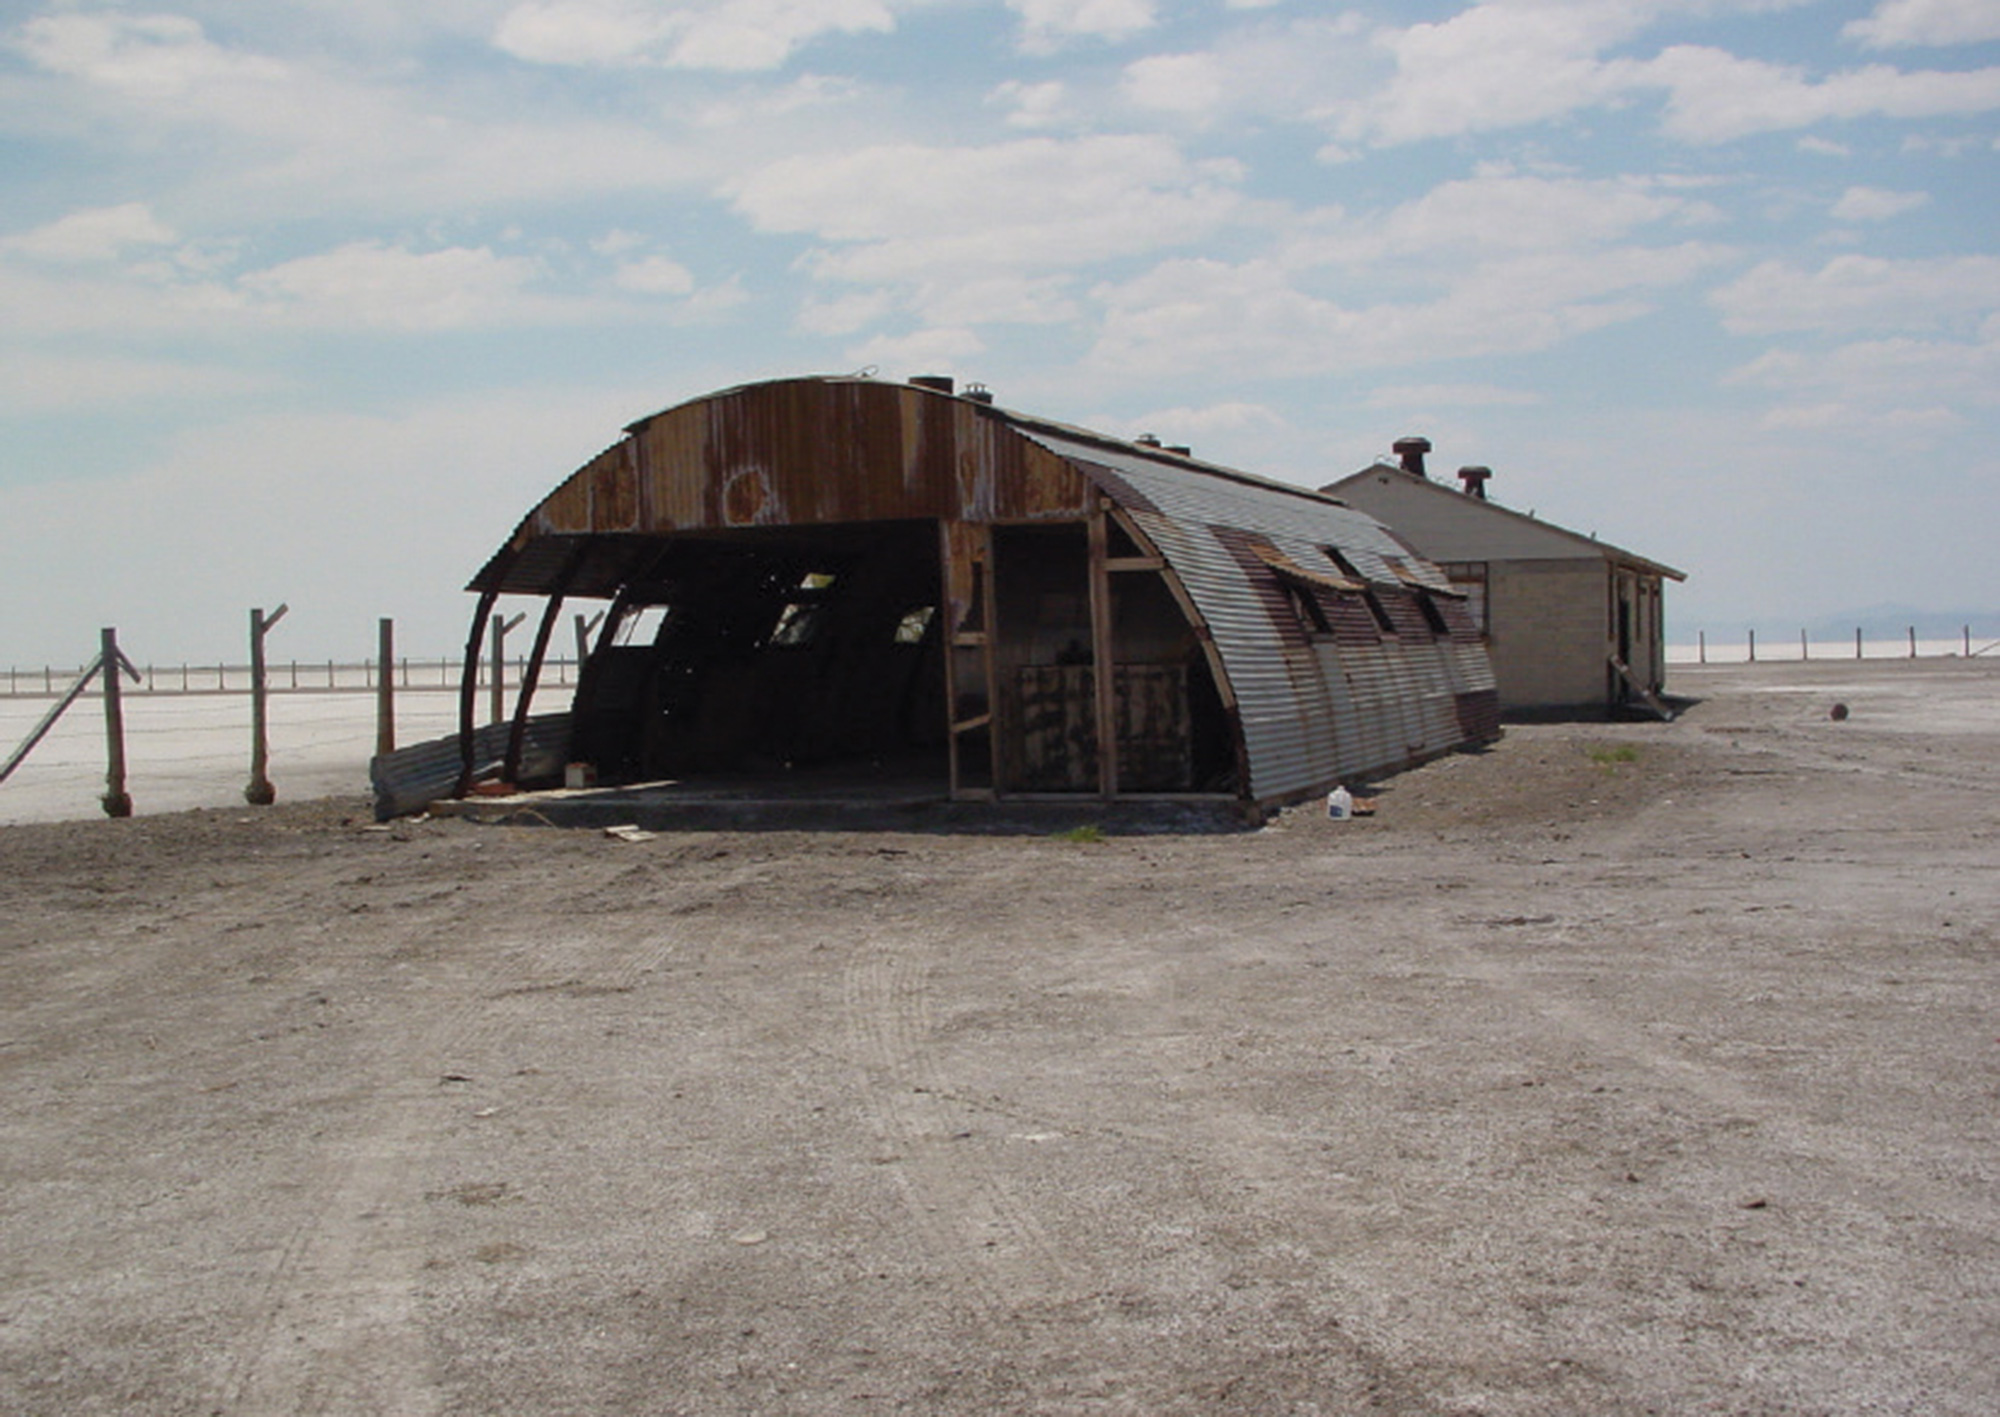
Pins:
x: 1473, y: 479
x: 979, y: 393
x: 937, y: 383
x: 1147, y: 440
x: 1411, y: 451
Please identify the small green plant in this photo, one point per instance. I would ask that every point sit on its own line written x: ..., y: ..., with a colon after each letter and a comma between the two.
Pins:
x: 1086, y: 835
x: 1611, y: 757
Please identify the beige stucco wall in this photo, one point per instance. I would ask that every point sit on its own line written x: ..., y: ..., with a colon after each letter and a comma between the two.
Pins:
x: 1547, y: 632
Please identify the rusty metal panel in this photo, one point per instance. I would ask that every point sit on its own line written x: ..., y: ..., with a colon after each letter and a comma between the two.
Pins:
x: 1313, y: 708
x: 673, y: 466
x: 614, y: 493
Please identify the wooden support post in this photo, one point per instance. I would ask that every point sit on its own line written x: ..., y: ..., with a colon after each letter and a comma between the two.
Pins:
x: 1857, y: 642
x: 117, y: 802
x: 583, y: 629
x: 1965, y: 633
x: 1102, y: 651
x: 1752, y: 641
x: 531, y: 673
x: 1701, y: 646
x: 385, y: 687
x: 259, y: 792
x: 1913, y: 642
x: 468, y: 694
x: 1804, y: 653
x: 501, y: 626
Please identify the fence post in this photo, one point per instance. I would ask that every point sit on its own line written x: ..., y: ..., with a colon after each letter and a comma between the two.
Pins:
x: 259, y: 792
x: 1701, y: 646
x: 1753, y: 646
x: 1913, y: 642
x: 501, y: 625
x: 1804, y: 653
x: 1965, y: 631
x: 117, y: 802
x: 1857, y: 642
x: 385, y: 687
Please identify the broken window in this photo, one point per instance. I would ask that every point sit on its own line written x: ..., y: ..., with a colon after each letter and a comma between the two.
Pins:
x: 1383, y: 624
x: 1433, y: 617
x: 915, y: 624
x: 804, y: 615
x: 641, y: 625
x: 1312, y: 615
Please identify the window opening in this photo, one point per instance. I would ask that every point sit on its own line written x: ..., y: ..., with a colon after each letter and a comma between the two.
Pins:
x: 1469, y: 579
x: 798, y: 625
x: 915, y: 624
x: 641, y: 625
x: 1312, y: 615
x: 1432, y: 615
x: 1376, y: 612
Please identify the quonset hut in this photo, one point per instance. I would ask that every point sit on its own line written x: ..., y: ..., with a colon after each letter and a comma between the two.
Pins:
x: 828, y: 571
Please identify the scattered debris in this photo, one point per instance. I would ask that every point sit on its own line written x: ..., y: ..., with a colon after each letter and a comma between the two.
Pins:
x: 629, y: 831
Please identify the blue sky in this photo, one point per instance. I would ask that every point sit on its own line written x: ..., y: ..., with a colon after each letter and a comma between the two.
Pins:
x: 309, y: 301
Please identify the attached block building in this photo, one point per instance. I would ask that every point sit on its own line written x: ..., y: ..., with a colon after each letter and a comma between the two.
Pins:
x: 1570, y: 622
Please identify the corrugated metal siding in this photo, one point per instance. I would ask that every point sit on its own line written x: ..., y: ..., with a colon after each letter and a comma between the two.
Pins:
x: 1312, y: 710
x: 801, y: 452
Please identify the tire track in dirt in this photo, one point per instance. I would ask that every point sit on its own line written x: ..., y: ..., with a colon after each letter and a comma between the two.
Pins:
x: 1621, y: 1040
x: 970, y: 1216
x: 339, y: 1330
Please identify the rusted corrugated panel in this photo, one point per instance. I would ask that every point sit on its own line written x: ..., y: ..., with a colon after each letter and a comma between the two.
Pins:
x: 1311, y: 712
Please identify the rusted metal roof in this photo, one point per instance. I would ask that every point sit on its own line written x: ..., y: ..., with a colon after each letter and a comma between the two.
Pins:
x: 817, y: 451
x: 1312, y: 711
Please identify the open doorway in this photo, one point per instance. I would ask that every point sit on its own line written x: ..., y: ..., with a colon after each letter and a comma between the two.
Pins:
x: 772, y: 652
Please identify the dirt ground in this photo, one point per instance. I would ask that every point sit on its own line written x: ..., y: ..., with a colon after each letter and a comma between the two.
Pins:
x: 1624, y: 1068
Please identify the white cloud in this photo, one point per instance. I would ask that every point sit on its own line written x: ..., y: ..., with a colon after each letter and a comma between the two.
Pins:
x: 734, y: 35
x: 1451, y: 396
x: 897, y: 213
x: 1494, y: 66
x: 1257, y: 320
x: 38, y: 382
x: 368, y: 285
x: 1861, y: 292
x: 1515, y: 63
x: 1499, y: 210
x: 1895, y: 371
x: 334, y: 526
x: 1715, y: 97
x: 1045, y: 23
x: 284, y: 138
x: 1823, y: 147
x: 1876, y: 204
x: 845, y: 314
x: 1177, y: 83
x: 1848, y: 421
x: 933, y: 351
x: 94, y: 235
x: 1279, y: 71
x: 1038, y: 105
x: 1896, y: 23
x: 146, y: 56
x: 655, y: 275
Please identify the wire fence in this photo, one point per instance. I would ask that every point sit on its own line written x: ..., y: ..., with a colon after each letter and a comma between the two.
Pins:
x: 1750, y: 647
x: 293, y: 676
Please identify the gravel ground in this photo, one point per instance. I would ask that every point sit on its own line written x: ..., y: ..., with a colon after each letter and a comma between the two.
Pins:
x: 1623, y: 1068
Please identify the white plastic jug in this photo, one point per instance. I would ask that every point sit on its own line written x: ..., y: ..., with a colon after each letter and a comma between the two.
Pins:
x: 1340, y: 804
